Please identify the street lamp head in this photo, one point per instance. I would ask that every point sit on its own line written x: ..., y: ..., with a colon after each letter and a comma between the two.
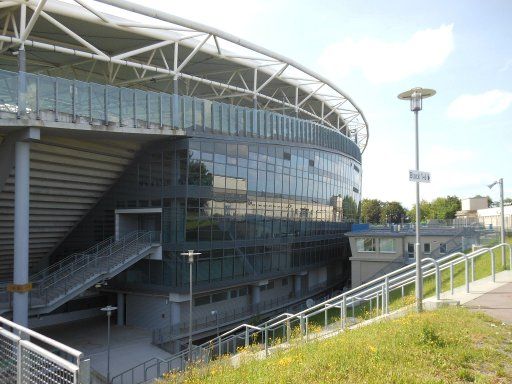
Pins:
x: 109, y: 309
x: 190, y: 253
x: 492, y: 184
x: 416, y: 95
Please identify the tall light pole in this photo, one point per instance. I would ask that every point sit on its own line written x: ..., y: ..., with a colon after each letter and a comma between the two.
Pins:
x: 190, y: 253
x: 502, y: 205
x: 416, y: 95
x: 109, y: 309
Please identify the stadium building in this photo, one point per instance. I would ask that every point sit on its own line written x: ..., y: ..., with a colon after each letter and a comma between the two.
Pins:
x: 129, y: 136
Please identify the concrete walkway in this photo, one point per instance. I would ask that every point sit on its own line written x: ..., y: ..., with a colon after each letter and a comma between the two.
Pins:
x: 496, y: 303
x: 129, y: 346
x: 493, y: 298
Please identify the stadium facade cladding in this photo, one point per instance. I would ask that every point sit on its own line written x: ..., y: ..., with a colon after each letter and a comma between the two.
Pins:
x: 252, y: 166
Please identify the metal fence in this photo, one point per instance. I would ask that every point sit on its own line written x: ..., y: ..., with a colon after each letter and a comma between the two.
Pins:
x: 27, y: 357
x: 373, y: 299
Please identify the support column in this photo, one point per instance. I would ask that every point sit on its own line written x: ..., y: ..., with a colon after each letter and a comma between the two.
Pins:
x: 297, y: 286
x: 256, y: 296
x: 21, y: 232
x: 120, y: 308
x: 175, y: 313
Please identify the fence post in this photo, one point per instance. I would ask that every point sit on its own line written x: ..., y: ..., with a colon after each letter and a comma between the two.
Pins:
x: 19, y: 362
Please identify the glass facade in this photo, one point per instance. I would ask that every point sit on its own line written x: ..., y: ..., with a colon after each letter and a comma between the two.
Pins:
x: 254, y: 209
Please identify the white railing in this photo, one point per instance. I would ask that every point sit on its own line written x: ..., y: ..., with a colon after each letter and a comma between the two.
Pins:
x: 360, y: 299
x: 25, y: 358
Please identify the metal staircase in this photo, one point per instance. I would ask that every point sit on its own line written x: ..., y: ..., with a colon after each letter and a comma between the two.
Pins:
x: 71, y: 276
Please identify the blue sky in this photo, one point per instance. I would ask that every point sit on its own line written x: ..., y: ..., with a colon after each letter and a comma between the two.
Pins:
x: 374, y: 50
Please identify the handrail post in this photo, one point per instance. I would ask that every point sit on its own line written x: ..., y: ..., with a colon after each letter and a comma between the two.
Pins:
x: 344, y: 312
x: 451, y: 278
x: 472, y: 269
x: 466, y: 273
x: 493, y: 266
x: 326, y: 319
x: 219, y: 342
x: 266, y: 339
x: 246, y: 337
x: 386, y: 293
x: 288, y: 331
x: 438, y: 282
x: 301, y: 324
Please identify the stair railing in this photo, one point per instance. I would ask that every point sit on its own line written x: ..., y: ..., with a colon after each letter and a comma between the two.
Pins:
x: 377, y: 291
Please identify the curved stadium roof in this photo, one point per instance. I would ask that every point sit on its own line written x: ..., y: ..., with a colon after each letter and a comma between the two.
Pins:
x: 145, y: 48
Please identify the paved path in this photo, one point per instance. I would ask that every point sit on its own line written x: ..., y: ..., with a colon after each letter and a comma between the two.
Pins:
x: 129, y: 346
x: 496, y: 303
x: 491, y: 297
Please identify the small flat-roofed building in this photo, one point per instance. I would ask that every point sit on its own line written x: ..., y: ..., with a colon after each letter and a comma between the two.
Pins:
x: 380, y: 250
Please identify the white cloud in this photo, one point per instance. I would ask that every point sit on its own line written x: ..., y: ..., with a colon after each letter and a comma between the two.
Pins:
x: 484, y: 104
x: 383, y: 61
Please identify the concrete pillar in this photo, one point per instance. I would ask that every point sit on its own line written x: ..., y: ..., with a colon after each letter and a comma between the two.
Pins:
x: 21, y: 232
x: 175, y: 313
x: 297, y: 287
x: 120, y: 308
x: 256, y: 296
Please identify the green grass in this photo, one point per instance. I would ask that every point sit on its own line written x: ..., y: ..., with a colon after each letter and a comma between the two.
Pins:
x: 450, y: 345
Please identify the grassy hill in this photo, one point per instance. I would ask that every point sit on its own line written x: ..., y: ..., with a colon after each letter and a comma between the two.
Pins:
x: 451, y: 345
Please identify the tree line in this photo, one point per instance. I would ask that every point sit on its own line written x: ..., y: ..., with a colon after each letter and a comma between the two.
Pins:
x: 375, y: 211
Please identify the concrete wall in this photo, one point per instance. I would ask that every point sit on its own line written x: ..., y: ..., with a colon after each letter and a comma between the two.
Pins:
x: 317, y: 276
x: 147, y: 311
x: 62, y: 318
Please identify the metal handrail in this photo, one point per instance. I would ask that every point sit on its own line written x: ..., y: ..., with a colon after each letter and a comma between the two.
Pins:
x: 379, y: 289
x: 99, y: 260
x: 75, y: 268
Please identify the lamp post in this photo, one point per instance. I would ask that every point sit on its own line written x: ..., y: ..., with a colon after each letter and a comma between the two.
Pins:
x: 416, y: 95
x: 502, y: 205
x: 190, y: 253
x: 109, y: 309
x: 216, y: 314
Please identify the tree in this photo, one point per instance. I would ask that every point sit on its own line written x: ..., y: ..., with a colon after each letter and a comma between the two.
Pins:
x: 424, y: 211
x: 444, y: 208
x: 349, y: 208
x: 392, y: 212
x: 371, y: 210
